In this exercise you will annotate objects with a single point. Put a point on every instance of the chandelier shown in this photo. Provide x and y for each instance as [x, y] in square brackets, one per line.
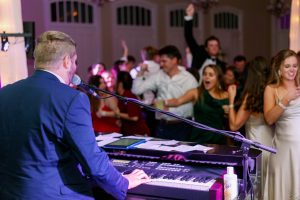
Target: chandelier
[101, 2]
[278, 7]
[205, 4]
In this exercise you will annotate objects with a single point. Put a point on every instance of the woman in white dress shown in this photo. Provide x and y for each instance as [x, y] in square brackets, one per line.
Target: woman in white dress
[251, 111]
[282, 108]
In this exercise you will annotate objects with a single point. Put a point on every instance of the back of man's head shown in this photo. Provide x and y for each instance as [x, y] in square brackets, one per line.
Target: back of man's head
[126, 80]
[239, 58]
[131, 59]
[52, 47]
[148, 53]
[170, 51]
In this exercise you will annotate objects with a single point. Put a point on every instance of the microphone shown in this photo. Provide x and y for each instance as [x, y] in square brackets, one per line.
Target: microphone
[76, 80]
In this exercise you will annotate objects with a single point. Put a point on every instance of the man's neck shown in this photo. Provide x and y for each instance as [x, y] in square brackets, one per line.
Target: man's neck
[288, 83]
[174, 71]
[57, 75]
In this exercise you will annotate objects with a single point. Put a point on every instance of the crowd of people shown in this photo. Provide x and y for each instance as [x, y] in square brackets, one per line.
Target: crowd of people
[258, 98]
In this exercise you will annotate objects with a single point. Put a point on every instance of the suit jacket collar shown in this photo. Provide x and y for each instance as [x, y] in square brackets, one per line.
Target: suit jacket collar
[45, 75]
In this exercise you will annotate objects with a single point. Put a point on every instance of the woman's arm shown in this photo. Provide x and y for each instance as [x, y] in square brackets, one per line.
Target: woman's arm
[272, 111]
[236, 119]
[127, 117]
[191, 95]
[133, 112]
[125, 50]
[112, 103]
[274, 108]
[102, 113]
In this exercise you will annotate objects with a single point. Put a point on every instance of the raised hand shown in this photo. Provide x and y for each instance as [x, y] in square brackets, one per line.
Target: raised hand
[144, 67]
[293, 93]
[190, 10]
[124, 44]
[125, 49]
[231, 92]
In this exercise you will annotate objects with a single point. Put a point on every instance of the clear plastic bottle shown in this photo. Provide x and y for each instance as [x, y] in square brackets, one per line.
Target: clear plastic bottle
[230, 185]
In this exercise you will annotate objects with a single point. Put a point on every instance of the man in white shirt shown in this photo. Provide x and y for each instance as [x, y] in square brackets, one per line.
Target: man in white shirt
[171, 81]
[147, 53]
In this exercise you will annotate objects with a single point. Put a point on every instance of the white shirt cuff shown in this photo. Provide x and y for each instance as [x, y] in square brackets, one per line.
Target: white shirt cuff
[188, 18]
[124, 58]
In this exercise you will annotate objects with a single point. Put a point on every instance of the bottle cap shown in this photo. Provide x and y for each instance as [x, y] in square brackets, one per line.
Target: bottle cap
[229, 170]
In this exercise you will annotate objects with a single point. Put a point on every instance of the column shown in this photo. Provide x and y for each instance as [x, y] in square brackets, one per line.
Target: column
[295, 26]
[13, 65]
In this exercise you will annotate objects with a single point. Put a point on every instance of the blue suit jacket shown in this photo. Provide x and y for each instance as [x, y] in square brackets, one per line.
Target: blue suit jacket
[47, 143]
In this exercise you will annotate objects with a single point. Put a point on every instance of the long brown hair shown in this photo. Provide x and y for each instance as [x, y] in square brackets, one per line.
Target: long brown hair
[220, 84]
[95, 81]
[256, 81]
[276, 63]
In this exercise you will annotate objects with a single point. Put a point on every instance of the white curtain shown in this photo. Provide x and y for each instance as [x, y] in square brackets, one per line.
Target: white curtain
[295, 26]
[13, 65]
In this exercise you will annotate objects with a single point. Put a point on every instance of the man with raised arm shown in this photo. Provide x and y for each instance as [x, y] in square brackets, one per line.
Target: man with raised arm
[202, 54]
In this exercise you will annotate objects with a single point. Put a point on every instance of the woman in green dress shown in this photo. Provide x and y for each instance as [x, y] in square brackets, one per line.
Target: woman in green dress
[210, 105]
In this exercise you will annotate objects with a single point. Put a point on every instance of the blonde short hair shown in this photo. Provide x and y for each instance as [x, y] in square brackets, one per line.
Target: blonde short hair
[52, 46]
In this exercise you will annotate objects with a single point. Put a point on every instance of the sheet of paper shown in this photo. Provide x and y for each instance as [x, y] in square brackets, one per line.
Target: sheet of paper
[164, 142]
[157, 147]
[160, 145]
[147, 145]
[187, 148]
[138, 137]
[110, 135]
[184, 148]
[165, 148]
[200, 147]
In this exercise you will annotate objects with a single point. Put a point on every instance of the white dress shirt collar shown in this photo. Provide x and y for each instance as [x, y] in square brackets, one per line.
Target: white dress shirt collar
[56, 75]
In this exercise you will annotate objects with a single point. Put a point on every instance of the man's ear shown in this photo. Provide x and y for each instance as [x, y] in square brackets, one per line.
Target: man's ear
[175, 61]
[67, 62]
[120, 84]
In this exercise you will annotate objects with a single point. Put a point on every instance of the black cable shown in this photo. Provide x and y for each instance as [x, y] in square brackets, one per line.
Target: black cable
[106, 97]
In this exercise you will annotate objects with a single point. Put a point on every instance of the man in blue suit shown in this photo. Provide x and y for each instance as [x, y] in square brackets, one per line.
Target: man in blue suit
[47, 144]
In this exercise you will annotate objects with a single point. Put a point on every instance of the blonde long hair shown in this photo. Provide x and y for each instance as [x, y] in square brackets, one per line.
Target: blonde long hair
[276, 63]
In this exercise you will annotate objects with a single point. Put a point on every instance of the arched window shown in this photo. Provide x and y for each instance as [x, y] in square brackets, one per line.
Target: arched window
[177, 18]
[71, 12]
[134, 16]
[226, 20]
[285, 22]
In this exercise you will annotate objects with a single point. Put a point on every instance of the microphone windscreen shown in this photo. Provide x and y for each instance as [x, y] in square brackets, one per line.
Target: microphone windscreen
[76, 80]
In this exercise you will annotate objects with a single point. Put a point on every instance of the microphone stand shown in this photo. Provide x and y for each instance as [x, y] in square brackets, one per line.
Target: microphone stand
[246, 143]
